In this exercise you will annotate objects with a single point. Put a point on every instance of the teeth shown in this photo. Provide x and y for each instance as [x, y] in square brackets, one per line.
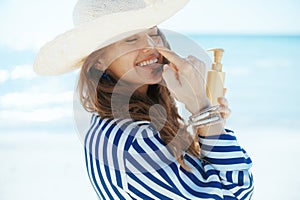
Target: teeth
[148, 62]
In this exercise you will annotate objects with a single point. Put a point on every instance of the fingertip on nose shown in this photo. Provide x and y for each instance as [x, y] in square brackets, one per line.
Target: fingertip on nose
[150, 41]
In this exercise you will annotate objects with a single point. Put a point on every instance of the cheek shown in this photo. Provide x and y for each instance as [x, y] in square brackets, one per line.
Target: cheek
[123, 65]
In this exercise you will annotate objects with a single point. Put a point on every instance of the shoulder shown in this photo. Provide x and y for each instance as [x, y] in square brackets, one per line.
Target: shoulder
[118, 130]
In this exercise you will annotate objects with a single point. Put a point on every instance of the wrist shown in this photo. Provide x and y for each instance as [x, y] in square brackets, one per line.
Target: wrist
[212, 130]
[207, 122]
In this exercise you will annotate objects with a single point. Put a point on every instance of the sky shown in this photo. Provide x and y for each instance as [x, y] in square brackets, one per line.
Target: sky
[26, 25]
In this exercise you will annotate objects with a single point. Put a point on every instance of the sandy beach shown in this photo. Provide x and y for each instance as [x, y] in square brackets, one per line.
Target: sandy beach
[37, 166]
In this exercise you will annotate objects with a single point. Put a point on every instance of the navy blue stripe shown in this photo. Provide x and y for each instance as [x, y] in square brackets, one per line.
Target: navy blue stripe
[198, 167]
[159, 139]
[97, 156]
[93, 121]
[196, 181]
[211, 172]
[228, 161]
[92, 118]
[152, 163]
[229, 198]
[115, 151]
[231, 186]
[243, 189]
[152, 191]
[219, 137]
[220, 148]
[161, 172]
[241, 178]
[250, 192]
[130, 139]
[137, 192]
[91, 178]
[190, 190]
[91, 161]
[228, 130]
[229, 176]
[105, 157]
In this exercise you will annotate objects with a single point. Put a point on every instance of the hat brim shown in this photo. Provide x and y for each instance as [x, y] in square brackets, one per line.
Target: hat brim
[68, 51]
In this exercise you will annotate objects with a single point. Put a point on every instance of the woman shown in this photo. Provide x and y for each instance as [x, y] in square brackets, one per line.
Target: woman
[127, 157]
[138, 146]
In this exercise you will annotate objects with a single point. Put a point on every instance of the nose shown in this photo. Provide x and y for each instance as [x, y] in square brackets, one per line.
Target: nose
[149, 43]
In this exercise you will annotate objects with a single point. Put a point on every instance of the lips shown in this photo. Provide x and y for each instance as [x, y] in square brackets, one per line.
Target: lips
[150, 61]
[147, 62]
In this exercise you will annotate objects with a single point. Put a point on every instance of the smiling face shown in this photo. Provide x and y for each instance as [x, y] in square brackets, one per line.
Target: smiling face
[135, 59]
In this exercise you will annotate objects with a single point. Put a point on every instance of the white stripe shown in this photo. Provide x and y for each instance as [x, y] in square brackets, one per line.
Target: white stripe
[218, 142]
[244, 192]
[96, 174]
[162, 148]
[233, 167]
[235, 181]
[227, 193]
[110, 163]
[165, 150]
[168, 171]
[196, 172]
[109, 149]
[152, 184]
[121, 147]
[154, 157]
[100, 158]
[235, 176]
[224, 155]
[140, 188]
[197, 188]
[88, 153]
[132, 194]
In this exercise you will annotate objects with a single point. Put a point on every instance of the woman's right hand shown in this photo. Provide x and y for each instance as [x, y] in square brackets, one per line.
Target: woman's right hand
[185, 78]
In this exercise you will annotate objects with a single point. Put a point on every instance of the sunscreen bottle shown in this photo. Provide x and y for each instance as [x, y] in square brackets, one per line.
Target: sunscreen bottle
[215, 78]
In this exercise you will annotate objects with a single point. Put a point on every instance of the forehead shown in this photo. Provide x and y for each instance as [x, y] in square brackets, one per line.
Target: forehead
[152, 30]
[148, 31]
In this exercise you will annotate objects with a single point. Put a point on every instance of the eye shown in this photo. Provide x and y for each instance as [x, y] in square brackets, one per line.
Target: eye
[154, 35]
[131, 40]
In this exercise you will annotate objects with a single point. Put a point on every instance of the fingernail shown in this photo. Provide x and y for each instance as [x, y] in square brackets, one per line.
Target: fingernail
[166, 67]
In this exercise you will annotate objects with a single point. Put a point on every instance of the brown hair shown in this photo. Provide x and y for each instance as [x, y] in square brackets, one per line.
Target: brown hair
[96, 91]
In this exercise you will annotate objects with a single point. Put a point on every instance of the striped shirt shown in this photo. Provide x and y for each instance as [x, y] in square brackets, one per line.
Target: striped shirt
[127, 159]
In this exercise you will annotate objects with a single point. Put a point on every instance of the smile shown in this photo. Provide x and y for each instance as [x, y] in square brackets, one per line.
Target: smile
[147, 62]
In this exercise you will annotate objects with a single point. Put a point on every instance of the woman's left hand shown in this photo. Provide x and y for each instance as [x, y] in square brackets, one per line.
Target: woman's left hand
[224, 109]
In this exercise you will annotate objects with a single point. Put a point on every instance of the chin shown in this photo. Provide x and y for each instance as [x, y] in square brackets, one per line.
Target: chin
[153, 80]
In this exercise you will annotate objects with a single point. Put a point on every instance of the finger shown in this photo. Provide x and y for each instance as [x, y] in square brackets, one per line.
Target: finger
[224, 111]
[169, 75]
[223, 101]
[195, 61]
[172, 56]
[224, 91]
[197, 64]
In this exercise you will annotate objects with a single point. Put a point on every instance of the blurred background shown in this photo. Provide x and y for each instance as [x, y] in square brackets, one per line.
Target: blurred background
[40, 151]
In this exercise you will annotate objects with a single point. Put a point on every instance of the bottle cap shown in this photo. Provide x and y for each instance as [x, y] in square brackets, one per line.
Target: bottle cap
[218, 54]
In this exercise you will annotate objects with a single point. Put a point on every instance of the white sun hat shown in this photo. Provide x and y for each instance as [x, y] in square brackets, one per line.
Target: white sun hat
[99, 23]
